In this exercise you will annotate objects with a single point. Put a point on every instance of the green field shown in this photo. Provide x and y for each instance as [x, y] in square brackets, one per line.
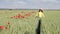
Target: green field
[50, 24]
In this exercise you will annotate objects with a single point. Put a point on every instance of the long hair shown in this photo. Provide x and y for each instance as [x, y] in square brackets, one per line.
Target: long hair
[40, 10]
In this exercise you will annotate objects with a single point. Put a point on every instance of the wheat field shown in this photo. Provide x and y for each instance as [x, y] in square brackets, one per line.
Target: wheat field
[50, 23]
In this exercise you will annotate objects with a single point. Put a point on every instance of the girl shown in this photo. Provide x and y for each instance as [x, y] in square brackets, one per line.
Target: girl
[39, 15]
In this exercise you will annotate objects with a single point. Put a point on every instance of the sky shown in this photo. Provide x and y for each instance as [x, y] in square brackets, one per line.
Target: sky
[30, 4]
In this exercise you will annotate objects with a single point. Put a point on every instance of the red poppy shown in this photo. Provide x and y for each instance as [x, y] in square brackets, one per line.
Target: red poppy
[22, 17]
[2, 27]
[8, 22]
[6, 27]
[18, 16]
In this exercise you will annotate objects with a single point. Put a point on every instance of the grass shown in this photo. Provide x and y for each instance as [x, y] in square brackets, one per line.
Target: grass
[50, 24]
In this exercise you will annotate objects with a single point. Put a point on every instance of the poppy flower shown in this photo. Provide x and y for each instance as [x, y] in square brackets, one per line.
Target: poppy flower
[22, 17]
[2, 27]
[8, 22]
[6, 27]
[18, 15]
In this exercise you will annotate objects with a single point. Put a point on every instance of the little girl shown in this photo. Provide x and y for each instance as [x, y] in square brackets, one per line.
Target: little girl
[39, 15]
